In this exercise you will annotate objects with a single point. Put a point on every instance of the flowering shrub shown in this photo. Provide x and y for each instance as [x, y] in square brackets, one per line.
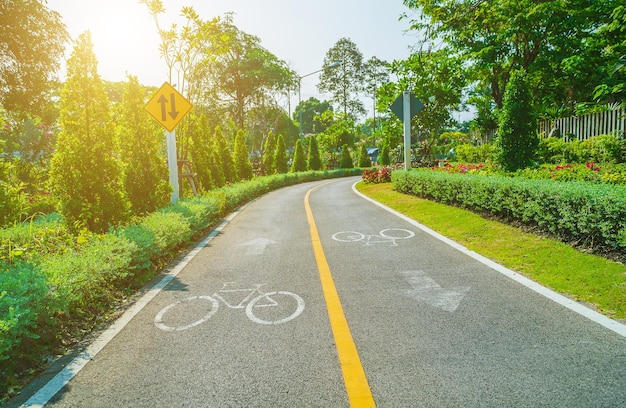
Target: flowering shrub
[379, 175]
[463, 168]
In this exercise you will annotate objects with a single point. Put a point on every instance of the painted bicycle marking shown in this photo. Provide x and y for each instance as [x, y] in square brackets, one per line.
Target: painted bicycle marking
[386, 236]
[264, 308]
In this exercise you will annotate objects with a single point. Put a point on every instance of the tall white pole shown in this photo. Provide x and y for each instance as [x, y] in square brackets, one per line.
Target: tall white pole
[172, 163]
[406, 110]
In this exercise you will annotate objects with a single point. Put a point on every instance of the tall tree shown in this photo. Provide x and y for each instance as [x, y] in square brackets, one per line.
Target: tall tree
[281, 155]
[268, 159]
[311, 109]
[243, 168]
[344, 82]
[32, 41]
[299, 161]
[141, 143]
[376, 73]
[314, 161]
[517, 138]
[86, 175]
[241, 74]
[495, 38]
[224, 157]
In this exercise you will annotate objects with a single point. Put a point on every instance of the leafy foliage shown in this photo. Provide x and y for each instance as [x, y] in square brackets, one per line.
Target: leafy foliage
[346, 158]
[314, 161]
[281, 156]
[86, 176]
[344, 82]
[517, 134]
[224, 157]
[364, 158]
[241, 157]
[299, 162]
[590, 214]
[32, 40]
[378, 175]
[140, 146]
[268, 165]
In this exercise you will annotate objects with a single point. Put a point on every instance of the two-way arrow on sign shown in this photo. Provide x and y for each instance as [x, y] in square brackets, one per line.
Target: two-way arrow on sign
[168, 106]
[163, 101]
[425, 289]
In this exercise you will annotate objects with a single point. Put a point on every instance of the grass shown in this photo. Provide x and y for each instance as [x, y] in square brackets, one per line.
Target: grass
[592, 279]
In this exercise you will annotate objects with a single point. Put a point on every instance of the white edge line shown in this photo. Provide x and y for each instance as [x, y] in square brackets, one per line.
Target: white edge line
[574, 306]
[63, 377]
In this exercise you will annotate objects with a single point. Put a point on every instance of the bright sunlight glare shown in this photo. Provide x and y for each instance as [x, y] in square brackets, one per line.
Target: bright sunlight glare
[123, 33]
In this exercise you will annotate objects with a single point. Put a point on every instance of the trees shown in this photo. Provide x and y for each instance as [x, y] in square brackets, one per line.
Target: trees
[517, 139]
[344, 82]
[364, 159]
[546, 39]
[224, 157]
[346, 158]
[140, 144]
[426, 74]
[32, 39]
[313, 157]
[238, 73]
[268, 158]
[311, 109]
[86, 175]
[243, 168]
[281, 156]
[299, 162]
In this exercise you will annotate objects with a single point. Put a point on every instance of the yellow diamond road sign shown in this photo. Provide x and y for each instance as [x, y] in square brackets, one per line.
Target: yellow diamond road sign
[168, 106]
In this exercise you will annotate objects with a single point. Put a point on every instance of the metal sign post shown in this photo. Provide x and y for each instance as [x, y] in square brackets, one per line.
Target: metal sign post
[405, 107]
[168, 107]
[172, 164]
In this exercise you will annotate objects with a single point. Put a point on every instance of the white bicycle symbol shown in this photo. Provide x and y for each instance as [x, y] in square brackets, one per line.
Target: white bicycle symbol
[264, 308]
[387, 236]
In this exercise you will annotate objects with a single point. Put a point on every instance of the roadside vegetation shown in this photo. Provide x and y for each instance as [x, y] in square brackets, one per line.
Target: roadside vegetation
[85, 212]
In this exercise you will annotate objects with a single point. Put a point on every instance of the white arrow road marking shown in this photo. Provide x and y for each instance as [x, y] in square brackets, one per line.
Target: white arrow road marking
[425, 289]
[257, 246]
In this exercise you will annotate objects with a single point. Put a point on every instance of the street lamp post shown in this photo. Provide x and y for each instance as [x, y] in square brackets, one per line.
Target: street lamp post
[333, 65]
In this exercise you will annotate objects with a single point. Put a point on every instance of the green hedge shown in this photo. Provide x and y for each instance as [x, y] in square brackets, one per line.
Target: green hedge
[52, 281]
[591, 214]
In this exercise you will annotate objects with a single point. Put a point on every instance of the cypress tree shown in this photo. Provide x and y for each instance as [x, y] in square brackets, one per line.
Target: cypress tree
[140, 139]
[384, 154]
[225, 159]
[86, 176]
[242, 159]
[269, 154]
[299, 163]
[346, 159]
[364, 158]
[281, 156]
[517, 141]
[313, 159]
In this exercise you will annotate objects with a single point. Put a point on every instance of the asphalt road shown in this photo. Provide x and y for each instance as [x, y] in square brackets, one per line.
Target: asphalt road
[429, 326]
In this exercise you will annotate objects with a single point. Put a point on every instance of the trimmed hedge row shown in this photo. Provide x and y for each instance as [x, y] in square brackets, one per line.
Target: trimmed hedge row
[591, 214]
[43, 294]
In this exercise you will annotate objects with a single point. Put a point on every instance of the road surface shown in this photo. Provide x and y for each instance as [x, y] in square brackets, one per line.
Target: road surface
[312, 296]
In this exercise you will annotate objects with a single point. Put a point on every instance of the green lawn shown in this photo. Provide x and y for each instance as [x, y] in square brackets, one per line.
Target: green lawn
[584, 277]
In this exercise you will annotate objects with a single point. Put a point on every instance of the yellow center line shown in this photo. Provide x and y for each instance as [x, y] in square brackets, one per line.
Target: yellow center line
[357, 387]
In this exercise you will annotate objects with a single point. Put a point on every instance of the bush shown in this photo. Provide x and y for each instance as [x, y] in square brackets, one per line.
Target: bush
[22, 301]
[468, 153]
[591, 214]
[517, 139]
[379, 175]
[346, 159]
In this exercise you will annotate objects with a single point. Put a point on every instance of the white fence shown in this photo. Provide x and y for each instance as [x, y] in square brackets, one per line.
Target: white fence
[586, 126]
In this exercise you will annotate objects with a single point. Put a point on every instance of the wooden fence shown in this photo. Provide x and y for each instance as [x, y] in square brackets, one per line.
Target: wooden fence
[586, 126]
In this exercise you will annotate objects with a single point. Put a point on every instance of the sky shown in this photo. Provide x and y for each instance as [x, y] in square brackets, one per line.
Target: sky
[298, 32]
